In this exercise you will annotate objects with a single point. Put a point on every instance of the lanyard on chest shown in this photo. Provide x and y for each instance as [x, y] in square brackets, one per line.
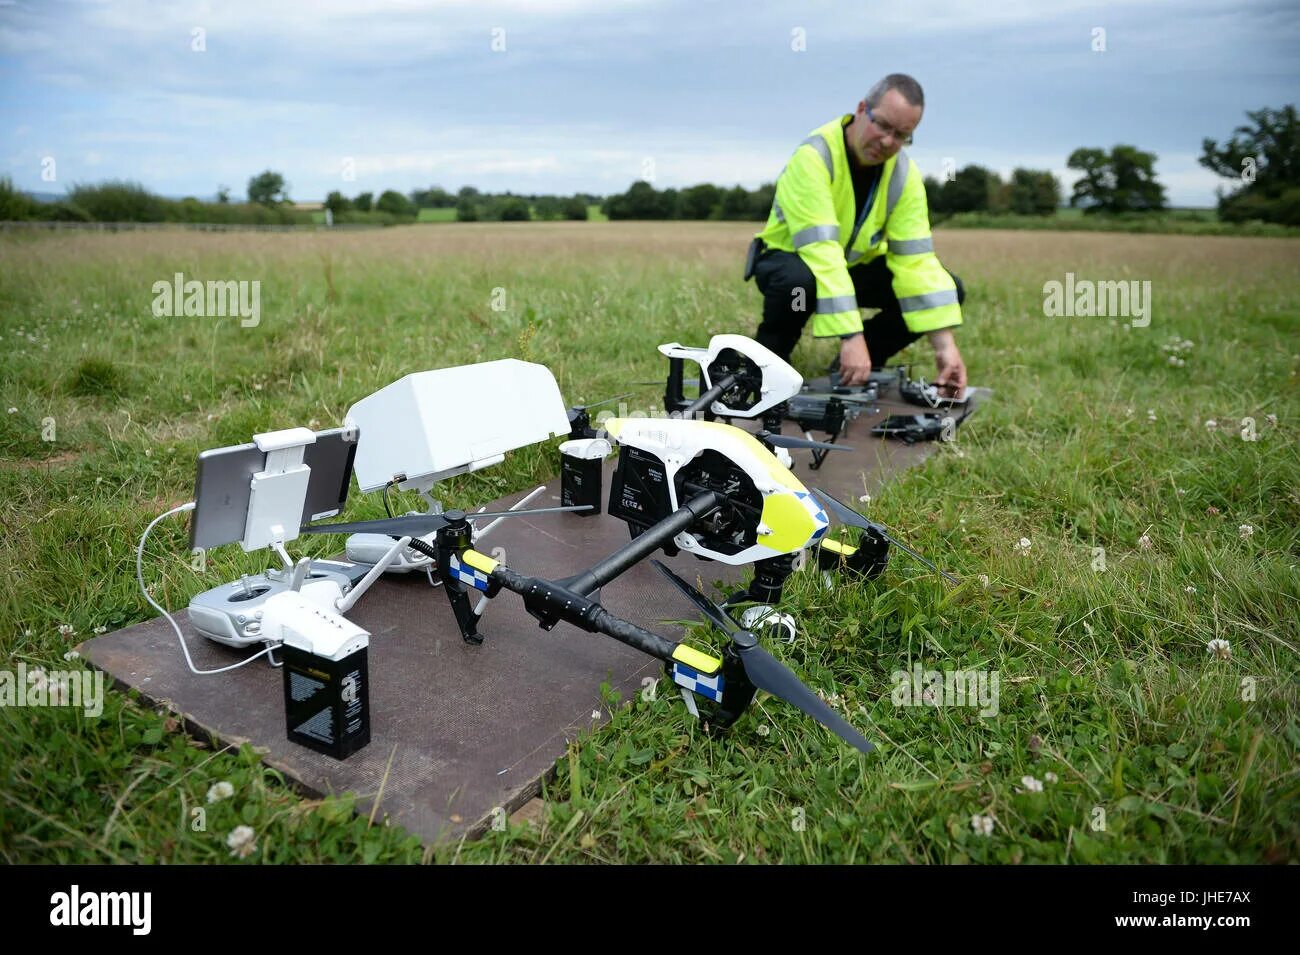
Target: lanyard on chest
[866, 208]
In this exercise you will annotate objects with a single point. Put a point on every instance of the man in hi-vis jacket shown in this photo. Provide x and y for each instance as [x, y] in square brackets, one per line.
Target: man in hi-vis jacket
[850, 229]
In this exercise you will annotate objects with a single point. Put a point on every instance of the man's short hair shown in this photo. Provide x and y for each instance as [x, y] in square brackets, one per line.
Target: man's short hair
[907, 87]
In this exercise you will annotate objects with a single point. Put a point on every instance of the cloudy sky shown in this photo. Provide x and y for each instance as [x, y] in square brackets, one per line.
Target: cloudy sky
[589, 95]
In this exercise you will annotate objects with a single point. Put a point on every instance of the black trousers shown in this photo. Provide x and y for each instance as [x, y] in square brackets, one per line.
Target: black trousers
[779, 274]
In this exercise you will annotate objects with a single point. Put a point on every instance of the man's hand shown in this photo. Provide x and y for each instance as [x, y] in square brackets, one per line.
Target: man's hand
[951, 381]
[855, 361]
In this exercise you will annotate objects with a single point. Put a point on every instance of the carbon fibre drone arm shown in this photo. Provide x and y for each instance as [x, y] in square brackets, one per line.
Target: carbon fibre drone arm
[723, 680]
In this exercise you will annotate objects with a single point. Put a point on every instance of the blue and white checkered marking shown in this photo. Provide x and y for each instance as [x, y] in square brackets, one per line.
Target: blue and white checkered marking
[696, 682]
[468, 575]
[818, 515]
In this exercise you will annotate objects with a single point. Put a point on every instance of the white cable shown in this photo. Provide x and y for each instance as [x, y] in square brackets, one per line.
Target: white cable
[139, 576]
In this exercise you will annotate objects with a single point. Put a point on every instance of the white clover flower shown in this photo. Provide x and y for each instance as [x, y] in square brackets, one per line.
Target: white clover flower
[1176, 361]
[1181, 491]
[1211, 424]
[219, 791]
[13, 410]
[1271, 419]
[1189, 589]
[1022, 546]
[1220, 648]
[66, 630]
[72, 655]
[242, 841]
[1031, 784]
[1245, 530]
[983, 825]
[100, 629]
[762, 729]
[1051, 777]
[864, 498]
[1144, 542]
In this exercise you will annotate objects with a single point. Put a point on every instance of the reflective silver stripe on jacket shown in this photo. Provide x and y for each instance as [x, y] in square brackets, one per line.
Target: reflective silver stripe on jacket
[776, 208]
[819, 143]
[840, 303]
[815, 233]
[911, 246]
[917, 303]
[897, 181]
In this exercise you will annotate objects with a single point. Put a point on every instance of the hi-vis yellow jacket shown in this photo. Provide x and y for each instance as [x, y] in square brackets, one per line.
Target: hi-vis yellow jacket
[814, 215]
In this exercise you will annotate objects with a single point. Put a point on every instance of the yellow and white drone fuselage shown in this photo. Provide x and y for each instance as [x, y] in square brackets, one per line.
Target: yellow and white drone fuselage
[789, 518]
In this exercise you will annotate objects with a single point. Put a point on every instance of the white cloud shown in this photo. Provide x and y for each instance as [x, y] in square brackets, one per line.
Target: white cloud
[589, 89]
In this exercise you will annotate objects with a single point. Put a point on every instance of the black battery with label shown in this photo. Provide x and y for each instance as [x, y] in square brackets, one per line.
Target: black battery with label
[326, 701]
[582, 463]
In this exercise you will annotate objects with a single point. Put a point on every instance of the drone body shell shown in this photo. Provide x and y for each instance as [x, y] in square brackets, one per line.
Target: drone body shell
[791, 517]
[780, 381]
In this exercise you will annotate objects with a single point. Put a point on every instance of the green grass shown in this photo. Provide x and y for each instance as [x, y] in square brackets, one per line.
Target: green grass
[1169, 222]
[1105, 677]
[437, 215]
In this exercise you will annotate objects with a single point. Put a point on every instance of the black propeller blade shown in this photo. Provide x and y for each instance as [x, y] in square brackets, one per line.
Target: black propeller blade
[768, 673]
[717, 616]
[789, 441]
[418, 525]
[849, 516]
[765, 671]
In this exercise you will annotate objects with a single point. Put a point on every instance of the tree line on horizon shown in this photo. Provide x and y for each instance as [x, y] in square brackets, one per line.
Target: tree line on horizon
[1263, 156]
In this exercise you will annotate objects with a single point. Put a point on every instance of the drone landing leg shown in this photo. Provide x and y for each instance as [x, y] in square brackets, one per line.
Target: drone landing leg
[457, 536]
[466, 619]
[689, 697]
[769, 580]
[818, 456]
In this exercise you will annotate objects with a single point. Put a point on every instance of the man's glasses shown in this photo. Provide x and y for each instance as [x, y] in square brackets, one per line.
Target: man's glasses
[889, 130]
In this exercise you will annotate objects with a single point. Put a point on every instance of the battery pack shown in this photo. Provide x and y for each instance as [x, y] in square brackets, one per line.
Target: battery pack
[327, 702]
[581, 473]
